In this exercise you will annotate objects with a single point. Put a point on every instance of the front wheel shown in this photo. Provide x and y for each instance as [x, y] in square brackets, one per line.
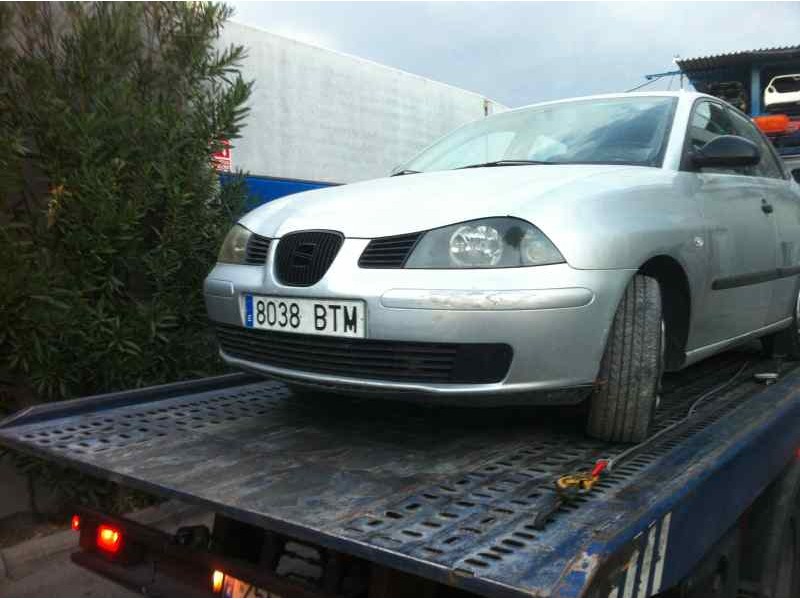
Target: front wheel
[624, 400]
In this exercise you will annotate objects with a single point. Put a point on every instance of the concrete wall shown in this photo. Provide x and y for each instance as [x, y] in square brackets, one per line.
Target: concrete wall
[14, 496]
[15, 493]
[324, 116]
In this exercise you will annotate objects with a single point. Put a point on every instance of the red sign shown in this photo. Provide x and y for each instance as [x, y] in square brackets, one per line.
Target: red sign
[223, 160]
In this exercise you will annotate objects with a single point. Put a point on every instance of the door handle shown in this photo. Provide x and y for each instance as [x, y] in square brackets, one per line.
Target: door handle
[766, 207]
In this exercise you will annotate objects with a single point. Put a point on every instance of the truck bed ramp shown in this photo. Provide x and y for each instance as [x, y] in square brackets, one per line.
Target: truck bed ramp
[461, 496]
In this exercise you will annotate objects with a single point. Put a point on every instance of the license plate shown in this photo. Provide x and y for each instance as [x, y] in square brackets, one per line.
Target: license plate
[236, 588]
[343, 318]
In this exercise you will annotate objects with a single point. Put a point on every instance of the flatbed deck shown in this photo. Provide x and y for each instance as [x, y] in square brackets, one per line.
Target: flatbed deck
[460, 496]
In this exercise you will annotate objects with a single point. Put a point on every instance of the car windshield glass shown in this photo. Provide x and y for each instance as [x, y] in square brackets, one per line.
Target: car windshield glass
[629, 130]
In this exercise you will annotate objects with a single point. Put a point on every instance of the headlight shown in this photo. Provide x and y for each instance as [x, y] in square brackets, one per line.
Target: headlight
[234, 248]
[486, 243]
[476, 246]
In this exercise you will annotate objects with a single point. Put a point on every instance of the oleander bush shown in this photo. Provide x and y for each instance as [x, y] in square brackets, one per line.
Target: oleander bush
[110, 212]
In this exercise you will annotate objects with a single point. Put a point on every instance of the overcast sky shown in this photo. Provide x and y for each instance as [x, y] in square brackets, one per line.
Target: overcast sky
[523, 52]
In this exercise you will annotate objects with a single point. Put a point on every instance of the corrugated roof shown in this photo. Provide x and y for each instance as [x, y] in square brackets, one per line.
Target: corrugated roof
[741, 57]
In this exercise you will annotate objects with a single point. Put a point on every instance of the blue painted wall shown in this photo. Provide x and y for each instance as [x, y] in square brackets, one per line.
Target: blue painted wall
[265, 189]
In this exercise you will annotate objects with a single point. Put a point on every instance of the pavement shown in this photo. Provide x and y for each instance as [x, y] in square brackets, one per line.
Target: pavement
[60, 577]
[42, 567]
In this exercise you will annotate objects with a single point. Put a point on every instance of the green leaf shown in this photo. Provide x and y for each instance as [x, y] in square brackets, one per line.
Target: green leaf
[51, 301]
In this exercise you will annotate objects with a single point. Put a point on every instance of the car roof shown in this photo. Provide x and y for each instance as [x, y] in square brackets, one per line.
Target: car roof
[680, 94]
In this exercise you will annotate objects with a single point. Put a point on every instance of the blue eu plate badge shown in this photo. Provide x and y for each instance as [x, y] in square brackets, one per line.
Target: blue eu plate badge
[248, 311]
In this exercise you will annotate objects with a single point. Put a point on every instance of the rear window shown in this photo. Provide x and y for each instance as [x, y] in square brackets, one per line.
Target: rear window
[785, 85]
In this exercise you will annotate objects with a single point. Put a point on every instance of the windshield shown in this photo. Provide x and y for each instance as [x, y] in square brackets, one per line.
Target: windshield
[630, 131]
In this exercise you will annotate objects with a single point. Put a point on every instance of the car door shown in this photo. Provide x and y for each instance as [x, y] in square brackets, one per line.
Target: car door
[782, 197]
[740, 240]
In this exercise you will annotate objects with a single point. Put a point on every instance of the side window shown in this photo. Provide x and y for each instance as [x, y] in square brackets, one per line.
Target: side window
[768, 166]
[710, 120]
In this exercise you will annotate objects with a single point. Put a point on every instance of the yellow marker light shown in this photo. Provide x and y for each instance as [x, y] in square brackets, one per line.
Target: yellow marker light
[216, 581]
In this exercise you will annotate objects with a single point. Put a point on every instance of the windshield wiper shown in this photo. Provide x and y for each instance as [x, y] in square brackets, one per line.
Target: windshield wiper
[508, 163]
[495, 163]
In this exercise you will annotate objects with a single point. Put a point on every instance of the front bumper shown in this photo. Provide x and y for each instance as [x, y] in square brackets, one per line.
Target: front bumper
[555, 318]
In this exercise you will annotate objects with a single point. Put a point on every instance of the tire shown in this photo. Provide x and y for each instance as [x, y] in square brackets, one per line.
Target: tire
[624, 400]
[786, 343]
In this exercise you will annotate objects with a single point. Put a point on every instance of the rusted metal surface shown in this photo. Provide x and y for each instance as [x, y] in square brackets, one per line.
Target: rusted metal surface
[449, 494]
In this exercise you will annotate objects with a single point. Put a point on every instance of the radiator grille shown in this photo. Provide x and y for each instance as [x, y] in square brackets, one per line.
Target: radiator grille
[422, 362]
[302, 258]
[388, 252]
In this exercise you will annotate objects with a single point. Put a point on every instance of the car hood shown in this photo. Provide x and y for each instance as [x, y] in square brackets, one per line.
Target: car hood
[418, 202]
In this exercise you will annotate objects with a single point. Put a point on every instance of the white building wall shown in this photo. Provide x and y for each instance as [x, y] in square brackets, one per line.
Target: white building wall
[325, 116]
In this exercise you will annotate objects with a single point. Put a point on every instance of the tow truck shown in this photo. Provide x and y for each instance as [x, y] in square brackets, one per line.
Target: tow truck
[365, 497]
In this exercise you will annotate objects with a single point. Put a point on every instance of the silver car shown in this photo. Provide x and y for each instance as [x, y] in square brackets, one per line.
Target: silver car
[549, 254]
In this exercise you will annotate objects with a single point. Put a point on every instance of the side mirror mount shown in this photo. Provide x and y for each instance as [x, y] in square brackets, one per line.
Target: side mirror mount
[727, 151]
[796, 175]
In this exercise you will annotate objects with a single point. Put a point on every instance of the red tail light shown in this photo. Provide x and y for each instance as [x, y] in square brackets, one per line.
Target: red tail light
[109, 538]
[76, 523]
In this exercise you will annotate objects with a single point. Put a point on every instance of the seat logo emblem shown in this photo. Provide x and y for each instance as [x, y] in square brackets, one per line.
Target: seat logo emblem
[303, 255]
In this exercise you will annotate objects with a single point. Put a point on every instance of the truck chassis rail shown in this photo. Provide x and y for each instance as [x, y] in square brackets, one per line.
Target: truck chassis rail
[460, 496]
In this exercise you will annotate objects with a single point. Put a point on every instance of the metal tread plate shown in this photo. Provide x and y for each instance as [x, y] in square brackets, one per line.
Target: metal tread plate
[463, 496]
